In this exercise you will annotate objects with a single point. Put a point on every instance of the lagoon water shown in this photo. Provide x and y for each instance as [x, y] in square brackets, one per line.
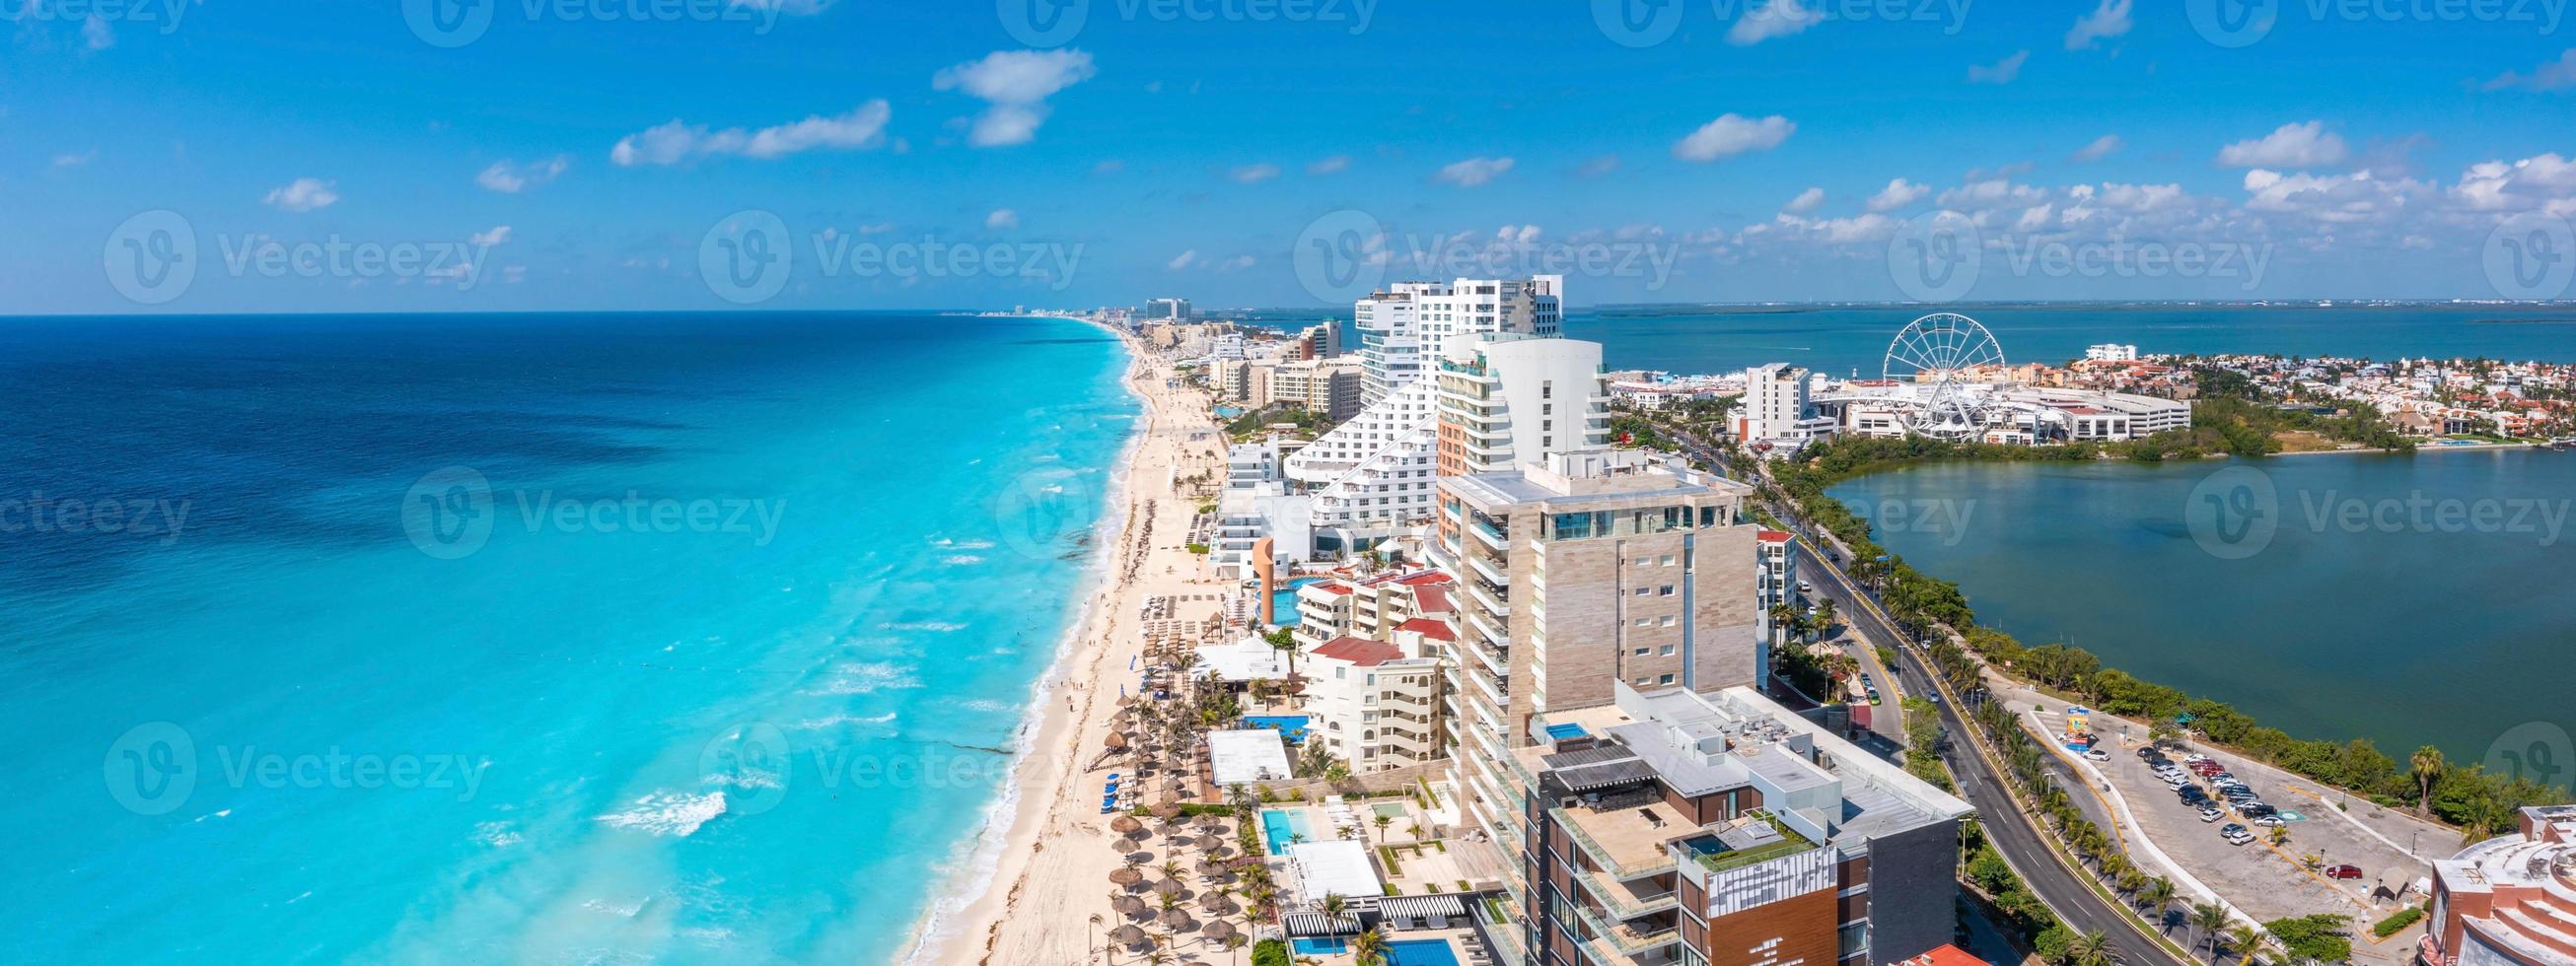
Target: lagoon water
[2356, 615]
[315, 724]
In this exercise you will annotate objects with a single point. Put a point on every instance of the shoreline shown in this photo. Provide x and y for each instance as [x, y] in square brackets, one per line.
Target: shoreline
[961, 890]
[1047, 854]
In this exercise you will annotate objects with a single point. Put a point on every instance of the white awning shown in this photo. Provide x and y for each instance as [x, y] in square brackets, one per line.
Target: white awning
[1339, 867]
[1250, 755]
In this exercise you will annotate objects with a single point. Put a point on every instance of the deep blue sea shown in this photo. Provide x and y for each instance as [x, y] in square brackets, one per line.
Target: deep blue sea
[560, 638]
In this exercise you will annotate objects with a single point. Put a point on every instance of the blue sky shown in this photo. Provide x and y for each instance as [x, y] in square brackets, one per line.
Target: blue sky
[551, 159]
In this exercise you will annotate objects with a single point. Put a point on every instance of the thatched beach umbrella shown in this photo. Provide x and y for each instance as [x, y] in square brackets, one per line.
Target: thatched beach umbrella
[1170, 887]
[1126, 825]
[1116, 740]
[1217, 904]
[1211, 820]
[1208, 842]
[1176, 918]
[1169, 808]
[1128, 905]
[1219, 930]
[1127, 876]
[1128, 935]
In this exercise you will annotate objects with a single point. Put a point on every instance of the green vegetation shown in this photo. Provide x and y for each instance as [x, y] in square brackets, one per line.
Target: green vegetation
[1790, 843]
[2317, 939]
[1923, 744]
[2483, 803]
[1199, 548]
[2404, 918]
[2021, 910]
[1629, 428]
[1254, 421]
[1271, 952]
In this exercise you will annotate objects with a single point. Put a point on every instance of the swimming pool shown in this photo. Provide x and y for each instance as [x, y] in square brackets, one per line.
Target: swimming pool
[1291, 727]
[1421, 952]
[1283, 602]
[1279, 827]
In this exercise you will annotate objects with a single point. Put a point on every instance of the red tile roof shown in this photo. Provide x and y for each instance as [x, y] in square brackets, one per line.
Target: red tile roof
[1427, 627]
[1432, 599]
[1945, 955]
[1331, 587]
[1360, 651]
[1424, 578]
[1773, 536]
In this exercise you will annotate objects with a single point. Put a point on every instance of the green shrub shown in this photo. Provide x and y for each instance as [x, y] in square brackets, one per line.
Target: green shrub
[2404, 918]
[1271, 952]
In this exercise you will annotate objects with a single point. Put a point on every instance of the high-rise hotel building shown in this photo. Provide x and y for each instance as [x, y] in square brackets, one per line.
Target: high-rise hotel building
[1607, 731]
[1508, 398]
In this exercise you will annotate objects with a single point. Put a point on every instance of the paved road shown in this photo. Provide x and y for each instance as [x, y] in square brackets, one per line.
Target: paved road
[2011, 832]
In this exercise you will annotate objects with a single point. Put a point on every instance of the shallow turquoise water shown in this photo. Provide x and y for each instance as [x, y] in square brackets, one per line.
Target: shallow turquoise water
[289, 732]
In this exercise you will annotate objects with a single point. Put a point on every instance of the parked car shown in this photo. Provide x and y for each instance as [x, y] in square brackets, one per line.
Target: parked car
[2210, 813]
[2098, 754]
[2256, 810]
[2150, 753]
[2269, 821]
[2240, 838]
[2230, 828]
[2343, 872]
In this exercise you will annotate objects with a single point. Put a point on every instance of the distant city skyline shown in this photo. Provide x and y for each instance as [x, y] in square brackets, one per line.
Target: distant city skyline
[428, 155]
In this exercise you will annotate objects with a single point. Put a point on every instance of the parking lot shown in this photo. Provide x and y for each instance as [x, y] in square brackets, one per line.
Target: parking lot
[2258, 877]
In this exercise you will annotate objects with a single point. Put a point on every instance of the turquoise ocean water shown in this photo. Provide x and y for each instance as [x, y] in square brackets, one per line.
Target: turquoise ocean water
[557, 639]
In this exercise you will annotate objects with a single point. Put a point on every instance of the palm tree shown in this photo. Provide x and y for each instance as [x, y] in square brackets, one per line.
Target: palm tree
[2280, 834]
[1281, 640]
[2247, 941]
[1825, 614]
[2209, 918]
[2158, 895]
[2428, 766]
[2090, 949]
[1369, 948]
[1333, 905]
[1382, 822]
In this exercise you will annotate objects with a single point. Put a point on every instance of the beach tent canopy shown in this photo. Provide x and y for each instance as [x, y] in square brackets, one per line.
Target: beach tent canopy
[1246, 660]
[1318, 924]
[1338, 867]
[1251, 755]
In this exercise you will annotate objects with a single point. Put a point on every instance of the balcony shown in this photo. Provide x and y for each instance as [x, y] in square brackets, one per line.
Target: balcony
[1488, 598]
[1629, 900]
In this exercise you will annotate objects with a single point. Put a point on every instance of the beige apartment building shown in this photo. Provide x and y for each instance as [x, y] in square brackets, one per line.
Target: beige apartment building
[1590, 570]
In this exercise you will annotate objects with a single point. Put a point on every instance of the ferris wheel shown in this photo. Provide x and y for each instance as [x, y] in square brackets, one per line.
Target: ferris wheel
[1928, 358]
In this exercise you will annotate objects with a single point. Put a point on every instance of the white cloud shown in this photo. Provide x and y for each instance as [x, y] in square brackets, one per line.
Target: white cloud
[1731, 135]
[1805, 202]
[1473, 171]
[1184, 260]
[1778, 18]
[1002, 218]
[2034, 218]
[2111, 19]
[2002, 72]
[1832, 231]
[487, 239]
[1333, 165]
[1235, 264]
[97, 34]
[1110, 166]
[676, 141]
[511, 178]
[75, 160]
[1597, 167]
[2355, 197]
[1517, 234]
[2556, 75]
[2141, 197]
[2291, 146]
[1254, 173]
[2102, 147]
[1898, 194]
[1016, 83]
[2546, 181]
[1991, 193]
[303, 194]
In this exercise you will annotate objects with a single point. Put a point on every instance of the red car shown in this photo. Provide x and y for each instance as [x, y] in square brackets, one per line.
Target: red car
[2343, 872]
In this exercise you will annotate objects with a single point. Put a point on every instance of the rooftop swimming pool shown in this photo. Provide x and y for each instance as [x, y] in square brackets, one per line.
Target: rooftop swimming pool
[1421, 952]
[1283, 601]
[1291, 727]
[1279, 827]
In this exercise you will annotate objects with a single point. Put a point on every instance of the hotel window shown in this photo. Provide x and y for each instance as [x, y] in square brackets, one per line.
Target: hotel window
[1668, 620]
[1641, 652]
[1665, 651]
[1664, 679]
[1668, 560]
[1643, 591]
[1668, 590]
